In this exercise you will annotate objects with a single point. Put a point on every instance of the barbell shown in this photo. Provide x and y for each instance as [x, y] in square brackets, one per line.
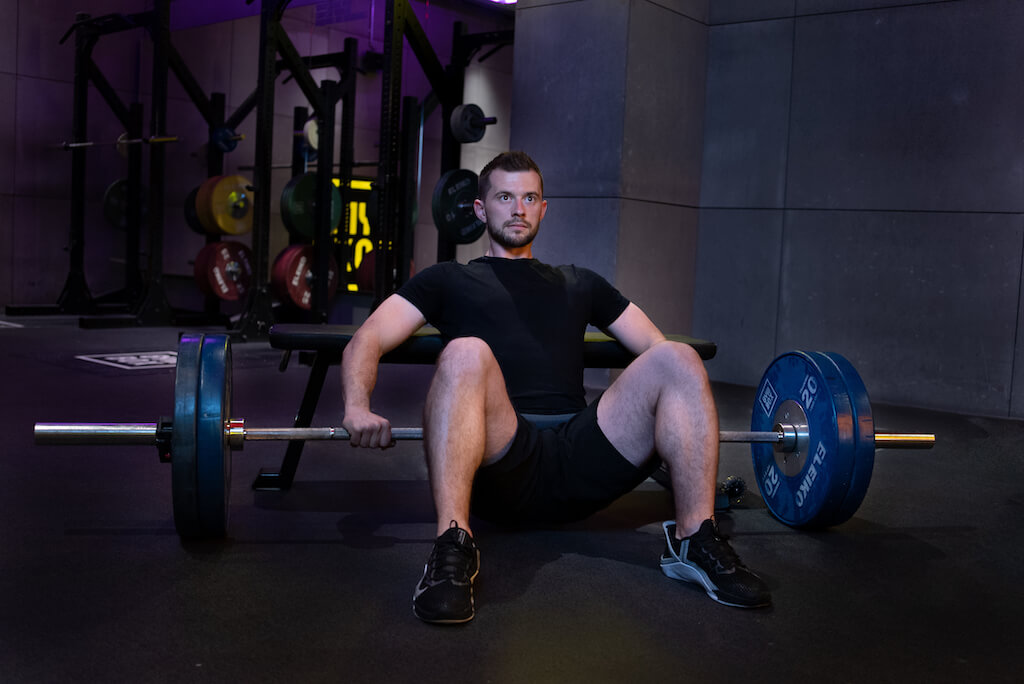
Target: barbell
[122, 142]
[812, 437]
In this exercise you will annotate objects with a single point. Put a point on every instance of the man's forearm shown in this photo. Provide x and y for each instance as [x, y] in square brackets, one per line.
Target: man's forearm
[359, 364]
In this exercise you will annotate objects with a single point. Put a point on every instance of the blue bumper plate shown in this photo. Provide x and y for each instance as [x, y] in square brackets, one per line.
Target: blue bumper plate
[806, 487]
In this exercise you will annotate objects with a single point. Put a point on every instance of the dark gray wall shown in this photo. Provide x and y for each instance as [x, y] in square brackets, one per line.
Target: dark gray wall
[776, 174]
[861, 193]
[608, 97]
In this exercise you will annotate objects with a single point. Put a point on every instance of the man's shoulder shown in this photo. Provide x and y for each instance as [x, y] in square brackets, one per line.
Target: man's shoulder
[577, 272]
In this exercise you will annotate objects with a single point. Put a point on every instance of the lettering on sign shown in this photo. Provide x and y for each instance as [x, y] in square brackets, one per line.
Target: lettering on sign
[359, 240]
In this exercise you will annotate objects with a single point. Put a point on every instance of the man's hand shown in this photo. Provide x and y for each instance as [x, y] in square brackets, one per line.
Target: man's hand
[367, 429]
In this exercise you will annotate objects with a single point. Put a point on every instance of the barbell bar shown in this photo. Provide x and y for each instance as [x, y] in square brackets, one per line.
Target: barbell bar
[122, 140]
[812, 437]
[237, 433]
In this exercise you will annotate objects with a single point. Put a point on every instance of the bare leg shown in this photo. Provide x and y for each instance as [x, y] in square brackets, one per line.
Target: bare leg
[662, 404]
[468, 422]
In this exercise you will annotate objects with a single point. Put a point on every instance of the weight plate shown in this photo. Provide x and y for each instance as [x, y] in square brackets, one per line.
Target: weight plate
[224, 138]
[298, 206]
[864, 431]
[805, 488]
[307, 140]
[184, 477]
[191, 215]
[213, 455]
[224, 269]
[115, 204]
[292, 276]
[311, 134]
[452, 207]
[467, 123]
[204, 208]
[224, 205]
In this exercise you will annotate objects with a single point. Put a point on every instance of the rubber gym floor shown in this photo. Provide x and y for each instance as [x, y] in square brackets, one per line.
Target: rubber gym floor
[315, 584]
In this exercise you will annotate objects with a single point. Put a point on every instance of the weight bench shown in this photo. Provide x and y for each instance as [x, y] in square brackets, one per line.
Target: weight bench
[321, 347]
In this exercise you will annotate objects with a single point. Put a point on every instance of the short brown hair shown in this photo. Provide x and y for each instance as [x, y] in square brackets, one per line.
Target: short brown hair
[507, 161]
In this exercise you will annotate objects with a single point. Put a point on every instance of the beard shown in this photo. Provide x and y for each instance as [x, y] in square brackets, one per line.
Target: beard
[504, 236]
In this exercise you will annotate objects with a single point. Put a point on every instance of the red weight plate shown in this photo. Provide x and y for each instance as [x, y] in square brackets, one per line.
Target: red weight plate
[224, 269]
[292, 276]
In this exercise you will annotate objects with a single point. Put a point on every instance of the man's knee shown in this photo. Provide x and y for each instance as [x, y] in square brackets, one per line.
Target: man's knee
[465, 355]
[675, 357]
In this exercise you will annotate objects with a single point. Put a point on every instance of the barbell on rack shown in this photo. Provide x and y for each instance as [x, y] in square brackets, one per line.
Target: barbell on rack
[812, 437]
[122, 141]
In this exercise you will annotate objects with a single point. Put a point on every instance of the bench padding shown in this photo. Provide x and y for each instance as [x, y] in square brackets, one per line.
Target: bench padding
[599, 350]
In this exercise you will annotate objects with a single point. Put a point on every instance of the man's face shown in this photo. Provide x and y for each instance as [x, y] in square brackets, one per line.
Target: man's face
[513, 208]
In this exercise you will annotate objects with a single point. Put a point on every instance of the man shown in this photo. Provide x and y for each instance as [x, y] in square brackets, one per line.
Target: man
[513, 360]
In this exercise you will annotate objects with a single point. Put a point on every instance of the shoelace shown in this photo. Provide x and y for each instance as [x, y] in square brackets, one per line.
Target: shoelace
[450, 560]
[719, 552]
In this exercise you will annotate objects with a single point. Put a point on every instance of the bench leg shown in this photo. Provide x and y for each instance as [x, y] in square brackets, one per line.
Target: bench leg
[280, 480]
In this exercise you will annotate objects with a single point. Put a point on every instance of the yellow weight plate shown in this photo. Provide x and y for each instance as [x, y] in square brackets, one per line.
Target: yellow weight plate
[224, 205]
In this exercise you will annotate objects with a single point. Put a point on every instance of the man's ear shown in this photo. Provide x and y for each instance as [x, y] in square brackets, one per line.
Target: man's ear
[478, 209]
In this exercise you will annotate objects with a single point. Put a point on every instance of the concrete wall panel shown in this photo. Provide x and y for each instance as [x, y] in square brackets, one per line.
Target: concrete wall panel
[568, 98]
[663, 142]
[6, 248]
[924, 305]
[747, 121]
[9, 36]
[655, 265]
[737, 284]
[729, 11]
[1017, 397]
[906, 108]
[581, 231]
[832, 6]
[8, 132]
[38, 236]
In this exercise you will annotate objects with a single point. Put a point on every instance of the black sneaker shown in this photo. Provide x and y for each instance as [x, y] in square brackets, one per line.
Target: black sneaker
[706, 558]
[445, 593]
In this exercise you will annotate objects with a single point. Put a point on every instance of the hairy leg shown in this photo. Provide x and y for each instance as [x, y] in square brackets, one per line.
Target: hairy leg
[662, 404]
[468, 422]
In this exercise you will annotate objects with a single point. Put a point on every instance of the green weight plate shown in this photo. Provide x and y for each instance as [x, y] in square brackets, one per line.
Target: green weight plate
[805, 488]
[213, 455]
[184, 477]
[864, 431]
[298, 206]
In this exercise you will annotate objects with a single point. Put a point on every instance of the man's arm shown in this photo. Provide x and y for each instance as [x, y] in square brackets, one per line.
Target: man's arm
[386, 328]
[634, 330]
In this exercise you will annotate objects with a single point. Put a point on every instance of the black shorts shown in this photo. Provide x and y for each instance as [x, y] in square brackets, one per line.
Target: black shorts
[555, 475]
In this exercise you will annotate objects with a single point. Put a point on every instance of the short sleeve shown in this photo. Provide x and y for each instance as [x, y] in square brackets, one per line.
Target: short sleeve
[425, 290]
[607, 303]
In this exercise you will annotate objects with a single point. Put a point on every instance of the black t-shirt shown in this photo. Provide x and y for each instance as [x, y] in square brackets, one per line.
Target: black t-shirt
[532, 315]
